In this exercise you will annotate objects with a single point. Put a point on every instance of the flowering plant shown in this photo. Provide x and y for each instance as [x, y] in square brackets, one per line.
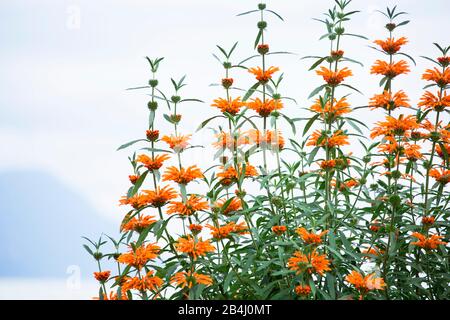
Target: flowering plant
[320, 210]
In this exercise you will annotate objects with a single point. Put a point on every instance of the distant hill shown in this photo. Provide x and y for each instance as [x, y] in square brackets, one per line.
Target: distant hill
[41, 224]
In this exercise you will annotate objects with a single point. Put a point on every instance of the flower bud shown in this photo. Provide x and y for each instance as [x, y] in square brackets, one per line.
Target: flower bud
[262, 25]
[153, 83]
[275, 114]
[444, 61]
[337, 54]
[277, 202]
[133, 179]
[339, 30]
[396, 174]
[240, 194]
[152, 105]
[395, 201]
[332, 37]
[367, 159]
[227, 65]
[391, 26]
[416, 136]
[98, 256]
[152, 135]
[276, 96]
[176, 99]
[195, 228]
[261, 6]
[435, 136]
[263, 49]
[227, 82]
[175, 118]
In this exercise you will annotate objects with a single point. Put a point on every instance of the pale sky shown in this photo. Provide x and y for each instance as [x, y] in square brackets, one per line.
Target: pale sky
[65, 65]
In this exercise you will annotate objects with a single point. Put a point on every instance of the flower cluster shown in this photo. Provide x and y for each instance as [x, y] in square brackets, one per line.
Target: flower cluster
[298, 203]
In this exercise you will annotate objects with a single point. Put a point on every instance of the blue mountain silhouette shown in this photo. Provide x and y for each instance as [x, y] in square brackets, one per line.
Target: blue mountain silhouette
[41, 224]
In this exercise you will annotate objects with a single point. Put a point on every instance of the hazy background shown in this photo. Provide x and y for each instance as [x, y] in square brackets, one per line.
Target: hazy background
[64, 111]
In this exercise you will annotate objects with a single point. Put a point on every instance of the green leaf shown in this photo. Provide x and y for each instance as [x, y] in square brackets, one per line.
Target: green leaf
[317, 90]
[247, 12]
[276, 14]
[310, 123]
[204, 123]
[126, 145]
[258, 37]
[317, 63]
[88, 250]
[138, 184]
[250, 91]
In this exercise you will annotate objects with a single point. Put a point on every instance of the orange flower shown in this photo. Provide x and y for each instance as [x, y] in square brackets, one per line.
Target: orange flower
[310, 263]
[440, 175]
[389, 101]
[138, 224]
[102, 276]
[320, 138]
[311, 238]
[225, 141]
[233, 205]
[188, 279]
[148, 282]
[436, 102]
[365, 284]
[334, 78]
[390, 70]
[152, 164]
[227, 82]
[391, 146]
[229, 175]
[374, 251]
[265, 108]
[442, 79]
[133, 178]
[152, 135]
[395, 127]
[444, 61]
[195, 228]
[337, 54]
[182, 176]
[375, 226]
[428, 243]
[391, 46]
[428, 220]
[271, 139]
[412, 152]
[159, 197]
[226, 230]
[346, 185]
[177, 143]
[113, 296]
[440, 151]
[230, 106]
[303, 290]
[194, 248]
[139, 257]
[279, 230]
[263, 76]
[328, 164]
[193, 204]
[137, 201]
[332, 112]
